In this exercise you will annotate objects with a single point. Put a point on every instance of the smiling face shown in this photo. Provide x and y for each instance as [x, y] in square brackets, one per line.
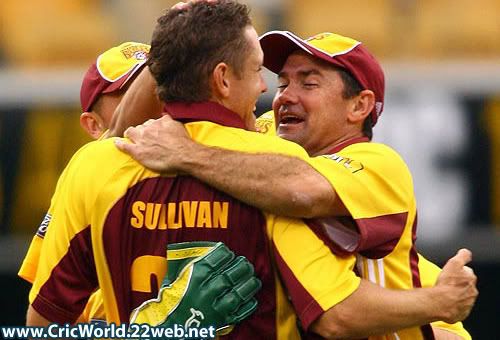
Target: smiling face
[249, 85]
[309, 106]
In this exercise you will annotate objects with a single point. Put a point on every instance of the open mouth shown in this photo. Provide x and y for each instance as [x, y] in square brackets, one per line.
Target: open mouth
[290, 120]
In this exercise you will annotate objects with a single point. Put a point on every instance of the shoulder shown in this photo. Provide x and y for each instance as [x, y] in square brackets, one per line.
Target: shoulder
[96, 163]
[376, 156]
[99, 157]
[101, 151]
[371, 150]
[237, 139]
[373, 165]
[265, 123]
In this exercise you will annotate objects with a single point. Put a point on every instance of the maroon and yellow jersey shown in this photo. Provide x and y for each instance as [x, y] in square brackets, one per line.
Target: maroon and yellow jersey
[376, 187]
[94, 310]
[112, 219]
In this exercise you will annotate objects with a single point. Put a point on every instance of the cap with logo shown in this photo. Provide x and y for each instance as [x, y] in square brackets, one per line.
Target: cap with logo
[343, 52]
[111, 71]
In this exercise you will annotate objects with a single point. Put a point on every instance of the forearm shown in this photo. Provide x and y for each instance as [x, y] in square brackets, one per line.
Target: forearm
[372, 310]
[139, 104]
[33, 318]
[272, 182]
[275, 183]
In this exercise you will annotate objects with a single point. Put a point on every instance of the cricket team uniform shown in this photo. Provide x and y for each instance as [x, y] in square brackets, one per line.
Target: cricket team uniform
[111, 220]
[376, 187]
[94, 310]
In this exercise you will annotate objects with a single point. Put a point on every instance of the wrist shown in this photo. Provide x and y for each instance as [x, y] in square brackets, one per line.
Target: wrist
[191, 156]
[435, 304]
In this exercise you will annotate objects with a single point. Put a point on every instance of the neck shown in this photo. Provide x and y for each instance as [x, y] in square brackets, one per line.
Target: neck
[249, 121]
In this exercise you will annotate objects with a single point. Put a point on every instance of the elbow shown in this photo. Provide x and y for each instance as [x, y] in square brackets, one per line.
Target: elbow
[337, 323]
[311, 198]
[335, 332]
[303, 204]
[310, 203]
[329, 333]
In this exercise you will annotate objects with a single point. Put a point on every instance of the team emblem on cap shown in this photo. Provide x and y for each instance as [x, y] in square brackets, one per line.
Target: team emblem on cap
[141, 55]
[119, 61]
[135, 50]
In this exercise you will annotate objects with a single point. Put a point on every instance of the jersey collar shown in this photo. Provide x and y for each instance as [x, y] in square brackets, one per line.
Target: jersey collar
[203, 111]
[348, 142]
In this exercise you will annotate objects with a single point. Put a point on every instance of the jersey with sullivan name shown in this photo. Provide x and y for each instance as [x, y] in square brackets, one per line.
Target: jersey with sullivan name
[112, 219]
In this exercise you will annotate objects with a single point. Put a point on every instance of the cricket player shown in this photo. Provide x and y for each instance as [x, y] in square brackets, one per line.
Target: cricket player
[330, 94]
[105, 83]
[103, 86]
[87, 246]
[130, 211]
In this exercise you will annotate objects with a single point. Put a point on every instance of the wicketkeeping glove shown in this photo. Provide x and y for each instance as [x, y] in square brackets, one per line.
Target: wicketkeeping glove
[205, 285]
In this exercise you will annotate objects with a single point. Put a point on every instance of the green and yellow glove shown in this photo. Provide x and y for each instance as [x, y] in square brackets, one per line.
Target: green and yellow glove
[206, 285]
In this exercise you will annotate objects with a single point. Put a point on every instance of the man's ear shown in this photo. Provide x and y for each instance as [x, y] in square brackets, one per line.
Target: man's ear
[92, 123]
[221, 80]
[362, 105]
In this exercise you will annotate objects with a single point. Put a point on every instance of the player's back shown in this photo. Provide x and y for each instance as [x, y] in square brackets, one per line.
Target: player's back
[113, 219]
[162, 210]
[146, 211]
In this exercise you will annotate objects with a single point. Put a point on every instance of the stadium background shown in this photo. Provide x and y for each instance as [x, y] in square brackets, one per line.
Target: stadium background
[442, 112]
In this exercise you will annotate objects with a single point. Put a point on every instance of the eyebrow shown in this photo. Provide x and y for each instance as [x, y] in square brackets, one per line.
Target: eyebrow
[302, 74]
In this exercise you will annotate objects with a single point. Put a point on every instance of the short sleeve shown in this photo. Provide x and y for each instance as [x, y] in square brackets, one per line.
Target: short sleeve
[314, 277]
[376, 187]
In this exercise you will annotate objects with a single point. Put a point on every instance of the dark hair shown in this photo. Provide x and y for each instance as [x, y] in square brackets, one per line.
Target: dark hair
[351, 89]
[187, 44]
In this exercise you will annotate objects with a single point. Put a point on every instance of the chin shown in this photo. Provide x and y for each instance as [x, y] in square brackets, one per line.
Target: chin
[288, 136]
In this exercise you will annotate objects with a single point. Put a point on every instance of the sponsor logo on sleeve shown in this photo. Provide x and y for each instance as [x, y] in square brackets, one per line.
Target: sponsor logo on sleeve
[42, 229]
[350, 164]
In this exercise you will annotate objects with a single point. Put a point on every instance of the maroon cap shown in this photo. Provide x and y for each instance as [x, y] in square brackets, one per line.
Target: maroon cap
[111, 71]
[338, 50]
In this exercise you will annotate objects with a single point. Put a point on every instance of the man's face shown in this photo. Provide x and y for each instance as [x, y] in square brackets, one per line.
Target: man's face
[308, 106]
[247, 88]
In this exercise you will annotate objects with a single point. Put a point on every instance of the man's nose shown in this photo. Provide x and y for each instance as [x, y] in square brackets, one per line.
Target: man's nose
[288, 95]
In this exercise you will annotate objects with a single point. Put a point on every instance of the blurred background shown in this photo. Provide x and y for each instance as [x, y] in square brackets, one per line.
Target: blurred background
[442, 112]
